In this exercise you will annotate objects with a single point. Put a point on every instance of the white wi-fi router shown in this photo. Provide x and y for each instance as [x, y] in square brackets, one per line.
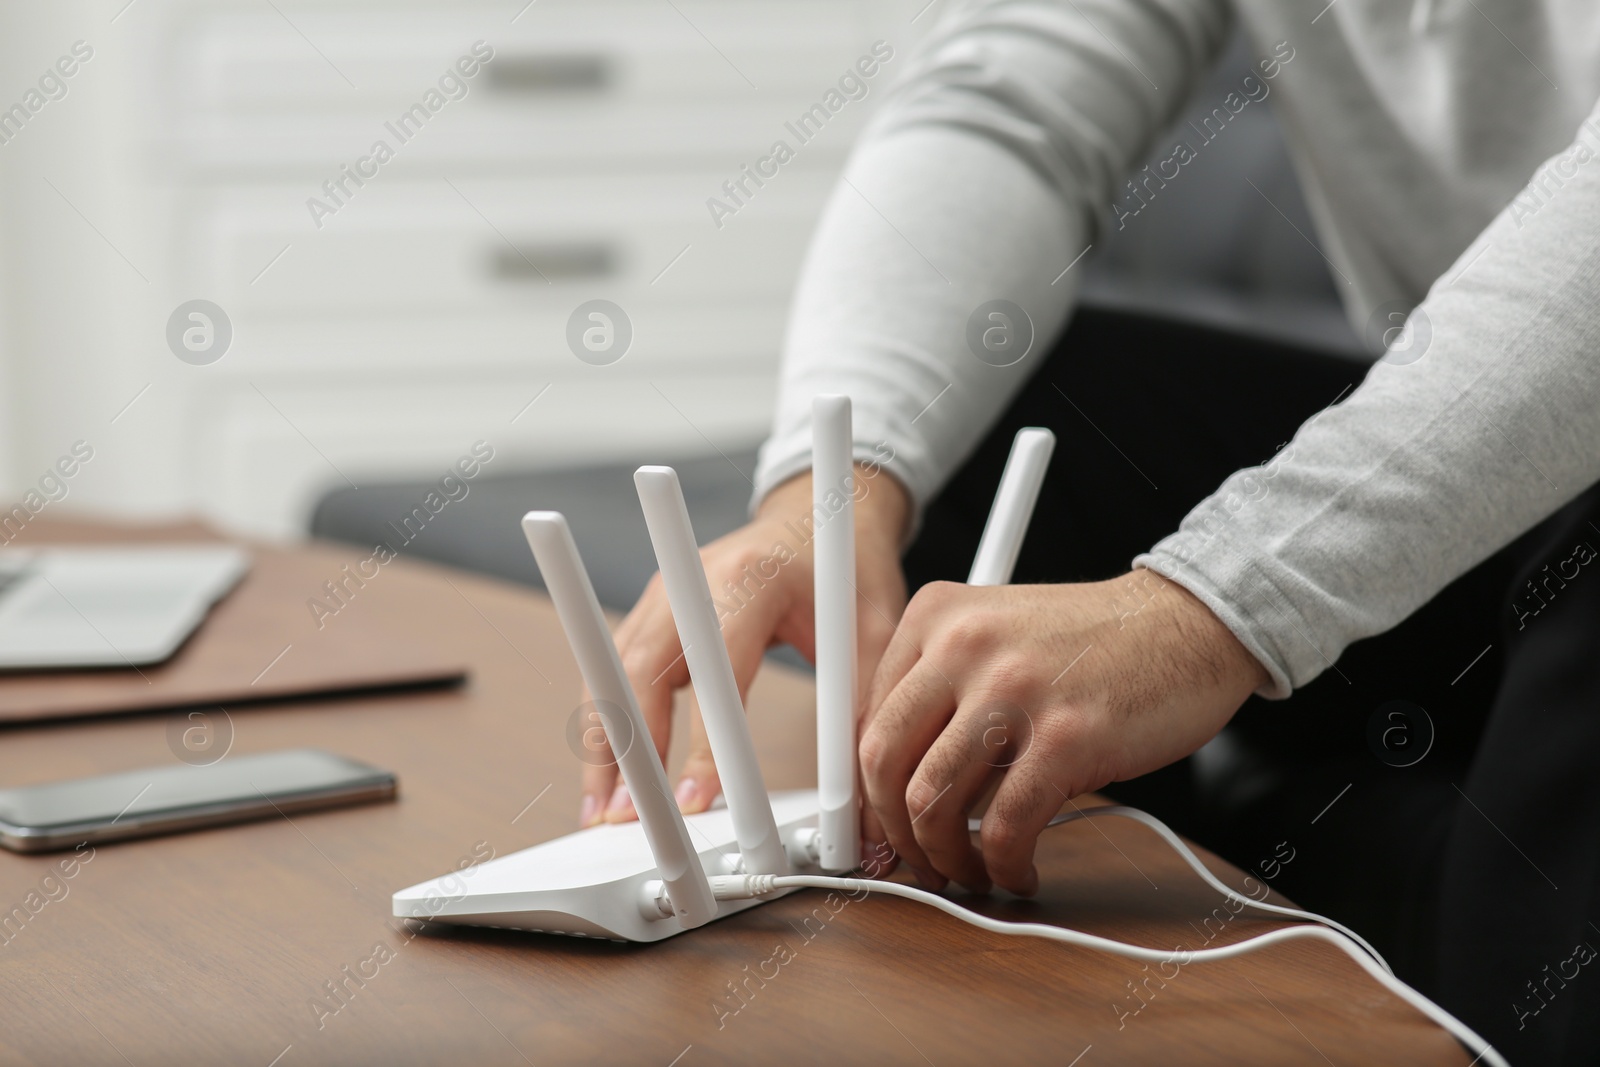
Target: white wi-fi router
[647, 880]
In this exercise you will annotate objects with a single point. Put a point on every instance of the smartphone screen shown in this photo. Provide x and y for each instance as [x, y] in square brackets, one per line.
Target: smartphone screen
[108, 807]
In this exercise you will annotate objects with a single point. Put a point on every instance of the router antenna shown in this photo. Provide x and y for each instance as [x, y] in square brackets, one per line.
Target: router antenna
[568, 583]
[689, 595]
[833, 511]
[1013, 507]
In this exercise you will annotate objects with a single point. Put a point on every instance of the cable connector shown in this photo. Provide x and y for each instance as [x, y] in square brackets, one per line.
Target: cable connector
[805, 847]
[654, 903]
[742, 886]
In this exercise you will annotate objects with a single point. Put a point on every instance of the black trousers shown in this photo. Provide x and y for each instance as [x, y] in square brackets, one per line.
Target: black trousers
[1440, 790]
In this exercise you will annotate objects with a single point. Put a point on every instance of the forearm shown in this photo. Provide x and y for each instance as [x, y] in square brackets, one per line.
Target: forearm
[881, 310]
[984, 178]
[882, 507]
[1430, 466]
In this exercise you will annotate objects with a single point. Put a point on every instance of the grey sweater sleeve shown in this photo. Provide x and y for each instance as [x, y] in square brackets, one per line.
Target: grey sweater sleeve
[984, 177]
[1436, 461]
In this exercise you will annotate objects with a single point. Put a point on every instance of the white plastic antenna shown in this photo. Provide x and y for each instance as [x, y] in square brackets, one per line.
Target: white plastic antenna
[629, 881]
[1013, 507]
[689, 595]
[567, 581]
[833, 481]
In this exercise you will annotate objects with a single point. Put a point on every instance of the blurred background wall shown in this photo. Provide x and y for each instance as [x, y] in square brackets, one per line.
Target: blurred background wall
[375, 338]
[432, 306]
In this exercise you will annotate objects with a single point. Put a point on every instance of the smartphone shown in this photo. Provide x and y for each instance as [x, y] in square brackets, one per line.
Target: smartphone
[160, 800]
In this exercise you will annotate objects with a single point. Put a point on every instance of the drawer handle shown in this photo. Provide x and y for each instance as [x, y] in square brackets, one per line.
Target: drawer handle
[553, 262]
[527, 75]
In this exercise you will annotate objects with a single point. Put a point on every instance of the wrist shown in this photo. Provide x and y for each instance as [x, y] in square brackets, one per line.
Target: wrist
[882, 507]
[1216, 653]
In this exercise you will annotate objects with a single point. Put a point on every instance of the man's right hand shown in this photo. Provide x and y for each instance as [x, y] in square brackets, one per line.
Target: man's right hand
[769, 563]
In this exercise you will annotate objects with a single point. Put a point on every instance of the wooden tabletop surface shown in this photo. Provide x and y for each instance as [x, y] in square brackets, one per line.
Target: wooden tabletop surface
[221, 946]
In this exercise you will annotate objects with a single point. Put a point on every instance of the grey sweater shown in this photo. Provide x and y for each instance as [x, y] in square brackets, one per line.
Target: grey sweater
[1448, 151]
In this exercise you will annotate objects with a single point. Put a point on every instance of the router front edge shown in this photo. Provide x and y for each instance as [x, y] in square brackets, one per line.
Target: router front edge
[650, 879]
[602, 882]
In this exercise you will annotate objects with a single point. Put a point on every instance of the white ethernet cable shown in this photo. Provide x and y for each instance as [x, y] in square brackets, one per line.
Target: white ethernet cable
[744, 886]
[1183, 850]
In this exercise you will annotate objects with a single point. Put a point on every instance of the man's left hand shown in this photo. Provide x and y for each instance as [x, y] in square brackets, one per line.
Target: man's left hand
[1039, 693]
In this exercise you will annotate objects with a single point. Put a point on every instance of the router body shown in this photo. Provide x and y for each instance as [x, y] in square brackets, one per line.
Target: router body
[648, 880]
[602, 882]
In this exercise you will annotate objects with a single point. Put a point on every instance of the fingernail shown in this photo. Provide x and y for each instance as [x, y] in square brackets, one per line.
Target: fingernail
[620, 803]
[684, 794]
[919, 798]
[589, 811]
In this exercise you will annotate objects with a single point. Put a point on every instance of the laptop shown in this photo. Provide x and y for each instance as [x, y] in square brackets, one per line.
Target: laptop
[115, 606]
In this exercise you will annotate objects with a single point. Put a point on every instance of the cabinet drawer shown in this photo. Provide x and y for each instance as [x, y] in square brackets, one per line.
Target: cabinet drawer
[474, 243]
[602, 80]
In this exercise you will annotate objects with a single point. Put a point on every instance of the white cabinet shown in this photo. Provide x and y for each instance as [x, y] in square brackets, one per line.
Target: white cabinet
[424, 305]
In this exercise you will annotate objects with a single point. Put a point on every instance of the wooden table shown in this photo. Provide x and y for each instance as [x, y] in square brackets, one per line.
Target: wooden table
[219, 946]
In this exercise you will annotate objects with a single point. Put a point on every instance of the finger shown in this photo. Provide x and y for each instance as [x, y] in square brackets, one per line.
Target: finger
[599, 766]
[652, 658]
[873, 633]
[944, 788]
[899, 657]
[902, 649]
[602, 773]
[901, 731]
[875, 847]
[747, 634]
[878, 859]
[699, 783]
[1018, 814]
